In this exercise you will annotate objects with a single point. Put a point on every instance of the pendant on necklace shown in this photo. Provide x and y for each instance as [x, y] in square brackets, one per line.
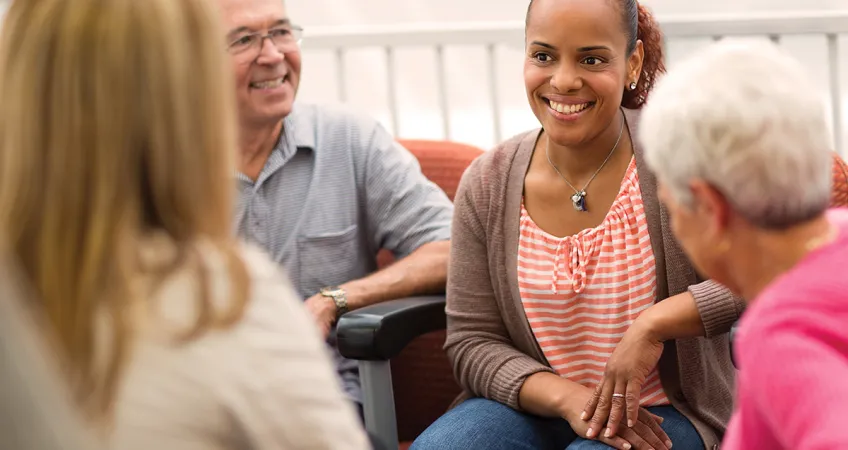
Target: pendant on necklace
[579, 201]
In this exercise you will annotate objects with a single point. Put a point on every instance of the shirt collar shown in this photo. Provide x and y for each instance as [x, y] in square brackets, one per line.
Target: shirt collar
[296, 126]
[295, 136]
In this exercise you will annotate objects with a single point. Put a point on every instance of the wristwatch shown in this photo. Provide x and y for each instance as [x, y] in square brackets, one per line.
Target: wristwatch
[339, 297]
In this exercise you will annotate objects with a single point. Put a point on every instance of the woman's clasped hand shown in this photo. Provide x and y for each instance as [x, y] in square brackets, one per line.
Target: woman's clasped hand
[646, 432]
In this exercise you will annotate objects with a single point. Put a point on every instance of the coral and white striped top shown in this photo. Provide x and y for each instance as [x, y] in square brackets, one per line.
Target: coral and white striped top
[581, 292]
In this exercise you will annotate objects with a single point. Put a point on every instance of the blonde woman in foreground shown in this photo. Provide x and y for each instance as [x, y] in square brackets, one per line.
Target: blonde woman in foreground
[116, 146]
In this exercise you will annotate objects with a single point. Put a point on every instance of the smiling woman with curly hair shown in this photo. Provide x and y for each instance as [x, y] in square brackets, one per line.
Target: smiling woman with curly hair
[559, 246]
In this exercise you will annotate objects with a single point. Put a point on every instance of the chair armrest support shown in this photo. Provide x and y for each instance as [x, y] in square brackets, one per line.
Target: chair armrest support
[733, 333]
[379, 332]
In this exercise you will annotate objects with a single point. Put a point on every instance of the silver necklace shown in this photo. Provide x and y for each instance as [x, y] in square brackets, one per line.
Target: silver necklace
[579, 197]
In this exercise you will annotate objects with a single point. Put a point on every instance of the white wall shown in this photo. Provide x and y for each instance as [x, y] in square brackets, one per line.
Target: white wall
[367, 12]
[471, 118]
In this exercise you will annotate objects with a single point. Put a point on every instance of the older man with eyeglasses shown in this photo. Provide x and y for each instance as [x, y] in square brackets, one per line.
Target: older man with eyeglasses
[323, 189]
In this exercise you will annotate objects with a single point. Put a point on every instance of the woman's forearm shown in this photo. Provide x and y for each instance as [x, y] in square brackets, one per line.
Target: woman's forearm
[676, 317]
[549, 395]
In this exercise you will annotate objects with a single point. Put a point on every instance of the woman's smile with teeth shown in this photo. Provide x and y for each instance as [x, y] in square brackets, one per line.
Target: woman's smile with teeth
[568, 108]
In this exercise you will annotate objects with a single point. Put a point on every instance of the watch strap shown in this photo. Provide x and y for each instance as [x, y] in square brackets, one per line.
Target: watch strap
[339, 297]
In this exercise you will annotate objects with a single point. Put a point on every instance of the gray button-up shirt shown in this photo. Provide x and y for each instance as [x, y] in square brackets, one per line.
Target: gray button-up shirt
[335, 190]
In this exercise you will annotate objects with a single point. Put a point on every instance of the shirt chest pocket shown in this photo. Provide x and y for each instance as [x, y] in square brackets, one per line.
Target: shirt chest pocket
[329, 258]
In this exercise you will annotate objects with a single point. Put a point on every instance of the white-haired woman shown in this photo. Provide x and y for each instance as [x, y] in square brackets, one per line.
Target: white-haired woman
[748, 201]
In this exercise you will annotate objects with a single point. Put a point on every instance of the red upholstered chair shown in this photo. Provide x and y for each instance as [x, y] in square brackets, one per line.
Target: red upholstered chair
[840, 183]
[406, 378]
[443, 162]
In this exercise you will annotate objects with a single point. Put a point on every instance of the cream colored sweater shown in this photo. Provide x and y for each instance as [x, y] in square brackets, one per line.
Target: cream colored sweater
[265, 383]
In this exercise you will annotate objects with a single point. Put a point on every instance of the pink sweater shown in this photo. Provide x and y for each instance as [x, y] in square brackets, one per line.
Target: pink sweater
[792, 348]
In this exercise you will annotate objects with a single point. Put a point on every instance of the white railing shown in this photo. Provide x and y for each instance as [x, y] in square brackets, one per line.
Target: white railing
[825, 34]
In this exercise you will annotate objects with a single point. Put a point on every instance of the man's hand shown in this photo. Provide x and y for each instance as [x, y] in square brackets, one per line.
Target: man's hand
[323, 309]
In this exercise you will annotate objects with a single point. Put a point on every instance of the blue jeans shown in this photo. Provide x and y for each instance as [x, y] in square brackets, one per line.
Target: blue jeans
[485, 424]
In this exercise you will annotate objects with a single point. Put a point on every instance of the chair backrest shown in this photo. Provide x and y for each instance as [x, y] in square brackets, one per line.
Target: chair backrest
[424, 385]
[443, 162]
[840, 183]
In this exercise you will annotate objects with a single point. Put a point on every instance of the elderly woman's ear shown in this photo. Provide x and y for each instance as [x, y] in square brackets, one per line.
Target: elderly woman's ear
[840, 183]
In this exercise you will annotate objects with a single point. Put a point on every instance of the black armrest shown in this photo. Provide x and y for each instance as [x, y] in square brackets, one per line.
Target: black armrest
[381, 331]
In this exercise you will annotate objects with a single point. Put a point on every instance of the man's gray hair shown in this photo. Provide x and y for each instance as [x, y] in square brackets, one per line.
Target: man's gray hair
[746, 118]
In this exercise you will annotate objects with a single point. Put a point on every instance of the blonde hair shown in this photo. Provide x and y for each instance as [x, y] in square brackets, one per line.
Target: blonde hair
[117, 123]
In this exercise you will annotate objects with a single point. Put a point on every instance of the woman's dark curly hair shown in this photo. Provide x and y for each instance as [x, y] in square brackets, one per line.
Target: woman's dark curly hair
[639, 25]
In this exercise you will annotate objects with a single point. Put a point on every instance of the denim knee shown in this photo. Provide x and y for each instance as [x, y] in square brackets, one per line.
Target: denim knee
[482, 423]
[682, 433]
[587, 444]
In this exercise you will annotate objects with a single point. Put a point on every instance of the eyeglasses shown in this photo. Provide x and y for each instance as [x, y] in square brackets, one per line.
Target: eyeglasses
[286, 39]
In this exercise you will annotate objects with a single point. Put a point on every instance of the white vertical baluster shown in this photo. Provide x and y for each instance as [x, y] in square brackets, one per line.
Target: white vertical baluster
[835, 91]
[491, 60]
[391, 74]
[442, 87]
[341, 73]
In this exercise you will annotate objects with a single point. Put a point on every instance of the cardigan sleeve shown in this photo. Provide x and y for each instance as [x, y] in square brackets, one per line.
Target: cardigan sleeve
[485, 361]
[719, 308]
